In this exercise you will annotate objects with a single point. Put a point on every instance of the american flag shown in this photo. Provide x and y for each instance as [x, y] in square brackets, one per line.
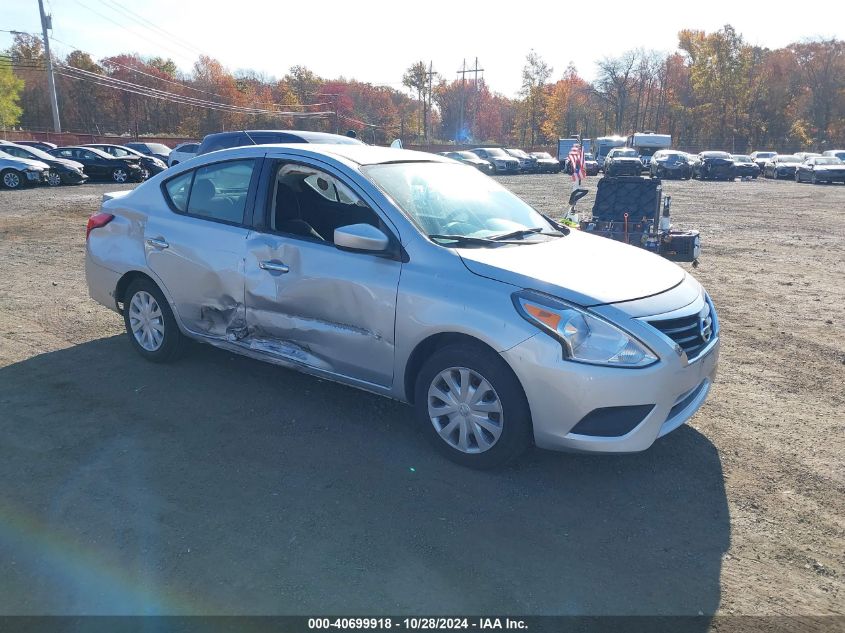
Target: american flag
[576, 159]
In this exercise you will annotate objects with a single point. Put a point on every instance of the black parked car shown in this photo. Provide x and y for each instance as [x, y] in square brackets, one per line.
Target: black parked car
[668, 163]
[159, 150]
[225, 140]
[98, 164]
[150, 164]
[545, 163]
[781, 166]
[62, 171]
[527, 163]
[468, 158]
[745, 167]
[714, 166]
[622, 161]
[819, 169]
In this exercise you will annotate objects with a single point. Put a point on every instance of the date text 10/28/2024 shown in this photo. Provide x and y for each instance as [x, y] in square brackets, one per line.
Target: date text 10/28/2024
[419, 623]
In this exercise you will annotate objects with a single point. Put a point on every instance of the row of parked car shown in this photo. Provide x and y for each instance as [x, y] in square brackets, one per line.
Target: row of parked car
[38, 162]
[509, 160]
[715, 165]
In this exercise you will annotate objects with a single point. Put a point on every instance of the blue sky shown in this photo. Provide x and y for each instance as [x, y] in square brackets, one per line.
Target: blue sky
[376, 41]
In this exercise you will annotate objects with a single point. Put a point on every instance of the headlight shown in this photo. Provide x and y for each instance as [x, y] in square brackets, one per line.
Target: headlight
[584, 337]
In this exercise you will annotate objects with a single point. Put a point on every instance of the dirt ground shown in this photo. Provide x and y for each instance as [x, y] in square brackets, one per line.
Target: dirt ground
[224, 485]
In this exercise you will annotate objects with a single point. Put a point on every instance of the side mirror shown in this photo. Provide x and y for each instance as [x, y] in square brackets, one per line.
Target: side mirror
[361, 237]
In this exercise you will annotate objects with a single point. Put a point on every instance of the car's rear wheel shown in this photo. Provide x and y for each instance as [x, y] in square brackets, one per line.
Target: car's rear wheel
[119, 175]
[150, 323]
[53, 178]
[472, 406]
[11, 179]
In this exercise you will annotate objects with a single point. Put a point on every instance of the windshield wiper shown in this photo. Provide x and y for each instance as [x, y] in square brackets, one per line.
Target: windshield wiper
[467, 239]
[519, 233]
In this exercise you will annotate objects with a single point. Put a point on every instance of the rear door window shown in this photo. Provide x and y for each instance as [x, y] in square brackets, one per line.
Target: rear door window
[178, 189]
[219, 190]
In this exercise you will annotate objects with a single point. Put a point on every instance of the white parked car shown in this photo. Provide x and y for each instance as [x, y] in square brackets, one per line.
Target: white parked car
[18, 172]
[408, 275]
[181, 153]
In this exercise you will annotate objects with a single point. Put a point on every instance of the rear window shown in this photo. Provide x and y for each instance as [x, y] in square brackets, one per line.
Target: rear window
[219, 191]
[178, 189]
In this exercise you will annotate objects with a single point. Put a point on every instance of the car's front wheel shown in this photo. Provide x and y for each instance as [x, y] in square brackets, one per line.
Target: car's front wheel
[472, 406]
[119, 175]
[11, 179]
[150, 323]
[54, 179]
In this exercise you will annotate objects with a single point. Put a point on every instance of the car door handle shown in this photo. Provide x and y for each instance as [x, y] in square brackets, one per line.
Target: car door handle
[274, 267]
[157, 242]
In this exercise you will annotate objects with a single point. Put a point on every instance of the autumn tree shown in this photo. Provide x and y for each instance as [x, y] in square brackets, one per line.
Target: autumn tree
[10, 92]
[535, 74]
[416, 79]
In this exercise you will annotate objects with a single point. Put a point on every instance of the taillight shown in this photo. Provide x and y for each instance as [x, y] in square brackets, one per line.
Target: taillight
[97, 221]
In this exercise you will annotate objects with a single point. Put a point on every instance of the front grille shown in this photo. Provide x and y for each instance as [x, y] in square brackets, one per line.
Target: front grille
[693, 333]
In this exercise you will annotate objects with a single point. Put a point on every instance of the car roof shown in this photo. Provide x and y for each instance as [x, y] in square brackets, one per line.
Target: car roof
[305, 135]
[358, 154]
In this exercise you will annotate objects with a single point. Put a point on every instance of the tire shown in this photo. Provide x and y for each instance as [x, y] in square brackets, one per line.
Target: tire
[11, 179]
[503, 407]
[53, 178]
[171, 344]
[120, 175]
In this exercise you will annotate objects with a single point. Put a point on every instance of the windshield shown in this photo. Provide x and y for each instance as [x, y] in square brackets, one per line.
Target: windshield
[715, 155]
[517, 152]
[765, 154]
[447, 199]
[788, 159]
[158, 148]
[741, 159]
[545, 155]
[467, 155]
[36, 154]
[498, 152]
[828, 160]
[627, 153]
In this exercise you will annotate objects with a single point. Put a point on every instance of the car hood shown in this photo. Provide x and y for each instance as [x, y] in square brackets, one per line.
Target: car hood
[68, 163]
[585, 269]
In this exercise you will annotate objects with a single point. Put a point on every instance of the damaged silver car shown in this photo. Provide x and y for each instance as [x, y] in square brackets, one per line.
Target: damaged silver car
[417, 278]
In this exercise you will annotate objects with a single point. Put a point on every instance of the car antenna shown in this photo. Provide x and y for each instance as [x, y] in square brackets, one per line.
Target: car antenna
[250, 138]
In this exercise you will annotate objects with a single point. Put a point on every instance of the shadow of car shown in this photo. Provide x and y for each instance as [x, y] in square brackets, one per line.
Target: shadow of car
[224, 485]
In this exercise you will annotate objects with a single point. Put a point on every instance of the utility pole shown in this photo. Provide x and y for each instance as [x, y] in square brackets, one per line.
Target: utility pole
[47, 23]
[427, 112]
[463, 73]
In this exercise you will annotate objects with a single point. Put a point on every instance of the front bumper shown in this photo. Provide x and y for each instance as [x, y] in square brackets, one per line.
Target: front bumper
[71, 177]
[562, 393]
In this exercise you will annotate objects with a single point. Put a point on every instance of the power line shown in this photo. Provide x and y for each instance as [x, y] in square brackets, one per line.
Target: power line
[118, 84]
[154, 27]
[111, 61]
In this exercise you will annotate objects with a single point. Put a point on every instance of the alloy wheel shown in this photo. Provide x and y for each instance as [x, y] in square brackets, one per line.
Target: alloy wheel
[119, 175]
[54, 179]
[146, 321]
[465, 410]
[11, 180]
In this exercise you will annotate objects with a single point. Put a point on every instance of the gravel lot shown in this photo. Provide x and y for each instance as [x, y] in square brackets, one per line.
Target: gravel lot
[224, 485]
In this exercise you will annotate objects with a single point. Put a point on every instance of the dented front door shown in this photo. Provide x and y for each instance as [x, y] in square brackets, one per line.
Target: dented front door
[201, 264]
[313, 304]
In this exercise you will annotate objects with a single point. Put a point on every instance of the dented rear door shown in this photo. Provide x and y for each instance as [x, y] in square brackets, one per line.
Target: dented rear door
[201, 264]
[197, 247]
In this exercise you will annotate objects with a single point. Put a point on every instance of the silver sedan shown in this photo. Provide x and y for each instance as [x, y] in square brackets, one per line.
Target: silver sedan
[417, 278]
